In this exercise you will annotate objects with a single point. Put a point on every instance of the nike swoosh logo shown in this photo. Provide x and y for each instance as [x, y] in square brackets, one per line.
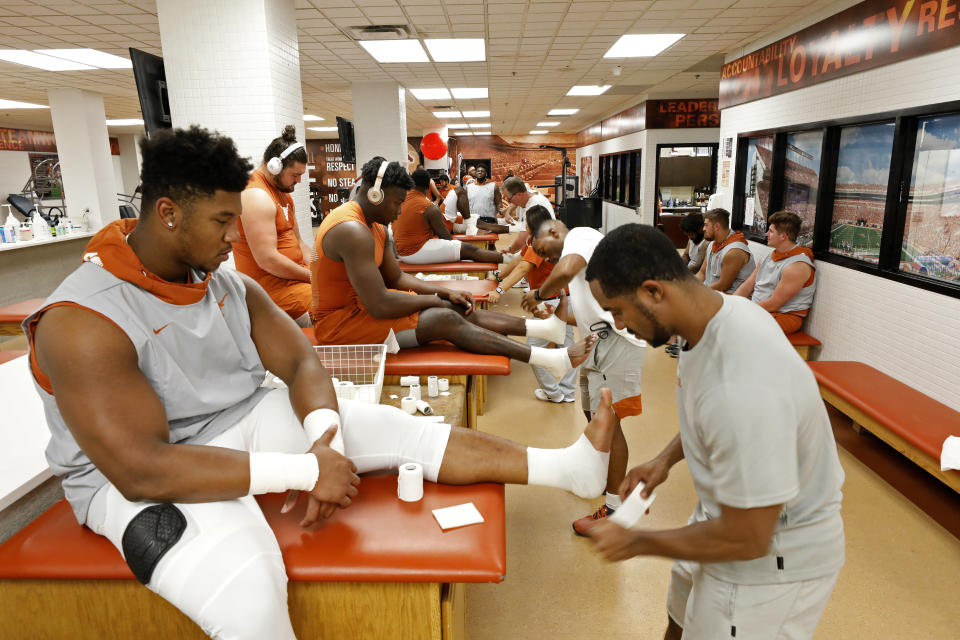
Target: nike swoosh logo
[155, 331]
[220, 304]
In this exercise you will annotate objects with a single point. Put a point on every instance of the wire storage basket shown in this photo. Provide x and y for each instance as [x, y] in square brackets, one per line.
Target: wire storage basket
[358, 369]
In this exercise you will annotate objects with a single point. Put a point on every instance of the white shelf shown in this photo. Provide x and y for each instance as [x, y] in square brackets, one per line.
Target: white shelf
[10, 246]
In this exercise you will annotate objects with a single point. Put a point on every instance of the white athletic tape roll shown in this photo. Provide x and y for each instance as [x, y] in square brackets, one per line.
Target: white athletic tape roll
[345, 390]
[433, 387]
[409, 404]
[277, 472]
[424, 408]
[633, 508]
[406, 381]
[410, 482]
[415, 390]
[316, 424]
[443, 384]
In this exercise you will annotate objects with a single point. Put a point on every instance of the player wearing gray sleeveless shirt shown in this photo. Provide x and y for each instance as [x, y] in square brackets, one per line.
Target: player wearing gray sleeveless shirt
[768, 277]
[199, 358]
[714, 262]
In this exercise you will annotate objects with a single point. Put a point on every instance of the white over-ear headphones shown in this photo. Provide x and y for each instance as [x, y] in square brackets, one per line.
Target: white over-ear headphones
[375, 193]
[275, 164]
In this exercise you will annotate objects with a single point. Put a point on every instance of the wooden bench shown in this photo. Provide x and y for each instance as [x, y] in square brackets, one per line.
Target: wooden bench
[465, 267]
[447, 361]
[802, 343]
[12, 315]
[380, 569]
[482, 240]
[909, 421]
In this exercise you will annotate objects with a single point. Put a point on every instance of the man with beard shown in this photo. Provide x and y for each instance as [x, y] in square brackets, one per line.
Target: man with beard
[484, 195]
[763, 548]
[270, 249]
[617, 359]
[728, 262]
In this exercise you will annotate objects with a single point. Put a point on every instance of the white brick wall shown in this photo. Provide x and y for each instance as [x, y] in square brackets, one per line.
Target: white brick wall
[234, 66]
[906, 332]
[615, 215]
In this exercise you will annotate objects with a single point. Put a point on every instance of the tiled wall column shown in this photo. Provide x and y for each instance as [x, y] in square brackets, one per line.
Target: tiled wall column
[379, 122]
[234, 66]
[80, 125]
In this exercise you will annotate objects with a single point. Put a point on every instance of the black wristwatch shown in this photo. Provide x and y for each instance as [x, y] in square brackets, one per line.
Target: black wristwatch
[496, 274]
[536, 295]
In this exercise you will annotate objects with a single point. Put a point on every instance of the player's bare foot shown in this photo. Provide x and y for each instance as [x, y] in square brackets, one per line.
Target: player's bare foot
[578, 353]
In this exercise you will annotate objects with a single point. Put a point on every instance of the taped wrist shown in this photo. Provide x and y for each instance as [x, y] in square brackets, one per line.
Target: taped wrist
[278, 472]
[318, 421]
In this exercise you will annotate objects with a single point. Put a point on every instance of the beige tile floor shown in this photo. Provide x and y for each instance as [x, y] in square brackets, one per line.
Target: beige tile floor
[901, 579]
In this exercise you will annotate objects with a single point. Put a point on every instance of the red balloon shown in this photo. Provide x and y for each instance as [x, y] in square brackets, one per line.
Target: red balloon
[433, 146]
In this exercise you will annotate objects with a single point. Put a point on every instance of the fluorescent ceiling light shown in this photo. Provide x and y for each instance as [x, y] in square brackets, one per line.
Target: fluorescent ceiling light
[476, 114]
[322, 128]
[562, 112]
[466, 93]
[40, 61]
[457, 49]
[91, 57]
[124, 122]
[548, 124]
[463, 133]
[641, 45]
[460, 125]
[395, 50]
[430, 94]
[309, 118]
[485, 125]
[587, 90]
[539, 131]
[13, 104]
[447, 114]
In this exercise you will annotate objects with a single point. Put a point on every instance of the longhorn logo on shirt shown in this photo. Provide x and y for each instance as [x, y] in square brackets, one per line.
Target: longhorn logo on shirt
[93, 257]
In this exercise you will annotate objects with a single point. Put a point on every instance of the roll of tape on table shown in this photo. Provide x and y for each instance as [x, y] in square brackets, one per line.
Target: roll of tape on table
[406, 381]
[415, 390]
[410, 482]
[443, 384]
[433, 387]
[346, 390]
[409, 404]
[424, 408]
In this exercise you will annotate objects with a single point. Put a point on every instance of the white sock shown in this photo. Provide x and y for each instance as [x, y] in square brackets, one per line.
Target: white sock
[556, 361]
[578, 468]
[613, 500]
[553, 329]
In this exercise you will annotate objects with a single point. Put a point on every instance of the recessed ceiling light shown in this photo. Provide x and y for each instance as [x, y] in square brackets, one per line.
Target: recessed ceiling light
[463, 133]
[124, 122]
[539, 131]
[466, 93]
[395, 50]
[476, 114]
[457, 49]
[91, 57]
[548, 124]
[309, 118]
[447, 114]
[562, 112]
[587, 90]
[430, 94]
[641, 45]
[460, 125]
[485, 125]
[322, 128]
[40, 61]
[13, 104]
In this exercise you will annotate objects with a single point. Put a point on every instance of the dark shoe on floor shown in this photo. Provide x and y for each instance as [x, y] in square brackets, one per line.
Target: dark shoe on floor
[580, 526]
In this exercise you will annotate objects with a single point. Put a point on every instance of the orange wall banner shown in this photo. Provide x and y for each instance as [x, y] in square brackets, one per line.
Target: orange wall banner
[865, 36]
[27, 140]
[654, 114]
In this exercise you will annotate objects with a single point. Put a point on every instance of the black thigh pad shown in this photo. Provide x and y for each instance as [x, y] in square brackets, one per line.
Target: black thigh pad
[149, 536]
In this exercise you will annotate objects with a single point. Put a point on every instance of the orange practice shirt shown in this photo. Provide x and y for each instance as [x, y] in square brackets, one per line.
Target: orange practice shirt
[411, 230]
[287, 242]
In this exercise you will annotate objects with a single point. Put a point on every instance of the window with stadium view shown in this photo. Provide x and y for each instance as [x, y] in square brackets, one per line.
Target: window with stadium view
[756, 187]
[931, 238]
[860, 192]
[801, 175]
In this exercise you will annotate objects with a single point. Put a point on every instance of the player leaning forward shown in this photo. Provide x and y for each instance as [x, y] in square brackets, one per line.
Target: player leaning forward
[765, 543]
[166, 428]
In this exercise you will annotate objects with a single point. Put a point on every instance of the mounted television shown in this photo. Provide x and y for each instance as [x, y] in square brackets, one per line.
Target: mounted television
[348, 149]
[152, 89]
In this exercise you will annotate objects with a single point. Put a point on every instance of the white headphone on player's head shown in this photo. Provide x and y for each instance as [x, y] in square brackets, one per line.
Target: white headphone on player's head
[375, 193]
[275, 164]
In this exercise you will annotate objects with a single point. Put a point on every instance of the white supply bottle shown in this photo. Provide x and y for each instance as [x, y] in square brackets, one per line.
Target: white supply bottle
[12, 227]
